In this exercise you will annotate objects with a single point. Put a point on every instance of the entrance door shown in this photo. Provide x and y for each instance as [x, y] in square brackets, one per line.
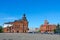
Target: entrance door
[17, 31]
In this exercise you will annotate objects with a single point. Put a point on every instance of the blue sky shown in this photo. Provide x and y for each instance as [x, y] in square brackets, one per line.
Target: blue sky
[36, 11]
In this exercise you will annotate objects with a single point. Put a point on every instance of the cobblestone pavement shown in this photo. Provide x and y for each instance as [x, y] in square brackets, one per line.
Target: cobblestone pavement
[28, 36]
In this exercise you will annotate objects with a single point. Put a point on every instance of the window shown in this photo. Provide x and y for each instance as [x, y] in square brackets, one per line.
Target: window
[12, 27]
[7, 29]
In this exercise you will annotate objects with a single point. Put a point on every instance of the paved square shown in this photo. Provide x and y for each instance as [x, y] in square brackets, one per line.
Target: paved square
[28, 36]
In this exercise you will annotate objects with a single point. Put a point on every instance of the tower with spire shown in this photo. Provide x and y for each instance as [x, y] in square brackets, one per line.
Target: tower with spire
[24, 17]
[25, 23]
[46, 22]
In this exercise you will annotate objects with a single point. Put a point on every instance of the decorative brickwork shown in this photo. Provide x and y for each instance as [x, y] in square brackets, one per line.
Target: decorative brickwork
[46, 27]
[18, 26]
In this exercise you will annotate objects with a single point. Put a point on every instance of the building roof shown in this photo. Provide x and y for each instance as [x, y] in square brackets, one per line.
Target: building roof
[8, 23]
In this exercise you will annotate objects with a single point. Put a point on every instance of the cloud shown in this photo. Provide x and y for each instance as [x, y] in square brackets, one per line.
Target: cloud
[8, 18]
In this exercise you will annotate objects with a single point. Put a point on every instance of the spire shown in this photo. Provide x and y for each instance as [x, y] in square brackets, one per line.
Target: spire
[46, 22]
[24, 17]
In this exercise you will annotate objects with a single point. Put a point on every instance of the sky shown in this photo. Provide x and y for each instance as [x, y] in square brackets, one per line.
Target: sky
[36, 11]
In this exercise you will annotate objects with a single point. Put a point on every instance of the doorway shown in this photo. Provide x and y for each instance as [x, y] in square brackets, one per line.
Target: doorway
[17, 31]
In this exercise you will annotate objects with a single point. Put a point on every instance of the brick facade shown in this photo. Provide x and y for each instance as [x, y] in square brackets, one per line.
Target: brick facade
[46, 27]
[18, 26]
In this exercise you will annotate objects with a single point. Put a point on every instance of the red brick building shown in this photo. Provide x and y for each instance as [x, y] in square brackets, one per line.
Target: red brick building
[46, 27]
[18, 26]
